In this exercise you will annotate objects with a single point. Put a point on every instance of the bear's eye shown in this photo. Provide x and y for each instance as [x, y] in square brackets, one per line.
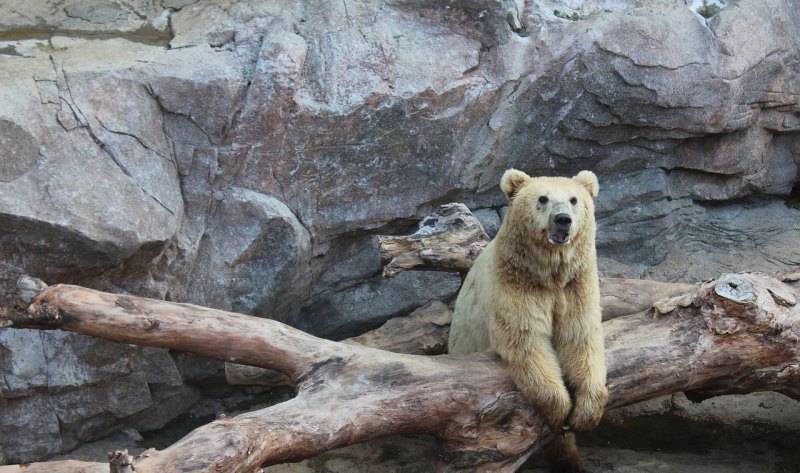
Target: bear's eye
[573, 201]
[543, 199]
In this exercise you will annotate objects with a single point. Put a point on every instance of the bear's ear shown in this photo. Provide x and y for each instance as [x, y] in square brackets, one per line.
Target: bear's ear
[511, 182]
[588, 180]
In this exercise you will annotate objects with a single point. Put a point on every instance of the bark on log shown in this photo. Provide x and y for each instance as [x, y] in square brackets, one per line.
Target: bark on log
[740, 333]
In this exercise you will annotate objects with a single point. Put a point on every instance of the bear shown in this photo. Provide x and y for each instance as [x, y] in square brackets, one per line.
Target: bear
[533, 297]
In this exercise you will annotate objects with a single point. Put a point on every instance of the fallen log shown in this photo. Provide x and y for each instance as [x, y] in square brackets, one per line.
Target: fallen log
[345, 393]
[740, 333]
[425, 331]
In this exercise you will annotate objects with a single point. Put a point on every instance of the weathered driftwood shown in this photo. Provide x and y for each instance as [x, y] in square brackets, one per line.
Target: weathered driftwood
[118, 462]
[423, 332]
[447, 240]
[345, 393]
[620, 297]
[737, 334]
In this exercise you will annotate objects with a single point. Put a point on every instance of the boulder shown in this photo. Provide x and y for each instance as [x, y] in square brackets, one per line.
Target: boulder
[252, 257]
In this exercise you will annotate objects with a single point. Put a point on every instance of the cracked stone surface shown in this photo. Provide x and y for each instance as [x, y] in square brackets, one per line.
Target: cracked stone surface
[244, 155]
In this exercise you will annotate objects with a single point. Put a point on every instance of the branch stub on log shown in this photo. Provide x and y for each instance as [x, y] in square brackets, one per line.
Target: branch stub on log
[735, 288]
[448, 240]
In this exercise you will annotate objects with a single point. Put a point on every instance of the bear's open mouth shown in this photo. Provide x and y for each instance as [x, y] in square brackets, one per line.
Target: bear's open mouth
[558, 238]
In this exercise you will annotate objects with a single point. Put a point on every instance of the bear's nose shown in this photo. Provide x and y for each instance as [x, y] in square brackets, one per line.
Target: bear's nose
[562, 221]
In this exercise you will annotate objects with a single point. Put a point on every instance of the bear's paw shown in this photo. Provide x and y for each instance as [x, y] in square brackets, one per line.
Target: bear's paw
[588, 409]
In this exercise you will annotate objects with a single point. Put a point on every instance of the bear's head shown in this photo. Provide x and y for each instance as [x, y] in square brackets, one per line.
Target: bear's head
[553, 210]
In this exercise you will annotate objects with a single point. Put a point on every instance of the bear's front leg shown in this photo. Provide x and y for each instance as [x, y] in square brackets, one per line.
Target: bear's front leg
[521, 335]
[590, 402]
[578, 338]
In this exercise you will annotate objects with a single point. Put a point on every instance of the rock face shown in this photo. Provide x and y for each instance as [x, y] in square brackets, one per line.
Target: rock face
[243, 156]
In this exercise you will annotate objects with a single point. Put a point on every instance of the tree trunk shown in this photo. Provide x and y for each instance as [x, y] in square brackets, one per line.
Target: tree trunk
[737, 334]
[425, 331]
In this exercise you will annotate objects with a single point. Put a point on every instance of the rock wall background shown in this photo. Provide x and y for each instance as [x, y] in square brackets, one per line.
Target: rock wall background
[243, 155]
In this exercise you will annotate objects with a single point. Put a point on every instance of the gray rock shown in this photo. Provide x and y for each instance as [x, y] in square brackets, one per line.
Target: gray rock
[61, 227]
[23, 363]
[96, 12]
[98, 451]
[351, 296]
[78, 360]
[199, 370]
[251, 255]
[61, 389]
[755, 235]
[489, 219]
[30, 429]
[20, 148]
[716, 461]
[47, 423]
[160, 367]
[168, 404]
[138, 20]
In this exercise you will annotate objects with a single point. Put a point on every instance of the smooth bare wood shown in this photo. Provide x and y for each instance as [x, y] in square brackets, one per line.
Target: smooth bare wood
[237, 374]
[347, 393]
[184, 327]
[118, 462]
[737, 334]
[425, 331]
[447, 240]
[620, 297]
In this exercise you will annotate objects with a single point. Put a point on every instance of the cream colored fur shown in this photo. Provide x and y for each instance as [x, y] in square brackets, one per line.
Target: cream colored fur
[537, 304]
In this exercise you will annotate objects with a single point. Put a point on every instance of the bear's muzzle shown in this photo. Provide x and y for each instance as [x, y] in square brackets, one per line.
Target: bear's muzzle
[561, 224]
